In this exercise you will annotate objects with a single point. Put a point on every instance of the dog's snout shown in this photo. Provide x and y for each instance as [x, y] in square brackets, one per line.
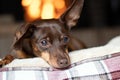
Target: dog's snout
[63, 63]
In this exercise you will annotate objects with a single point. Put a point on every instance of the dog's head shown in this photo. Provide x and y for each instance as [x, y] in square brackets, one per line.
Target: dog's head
[49, 38]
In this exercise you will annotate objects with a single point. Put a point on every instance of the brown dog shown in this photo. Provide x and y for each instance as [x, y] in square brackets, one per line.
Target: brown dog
[49, 39]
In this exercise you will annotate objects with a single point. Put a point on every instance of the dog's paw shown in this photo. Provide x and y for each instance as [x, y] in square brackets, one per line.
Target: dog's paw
[6, 60]
[0, 64]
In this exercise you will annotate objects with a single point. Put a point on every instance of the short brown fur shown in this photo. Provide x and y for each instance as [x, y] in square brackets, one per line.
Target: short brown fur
[49, 39]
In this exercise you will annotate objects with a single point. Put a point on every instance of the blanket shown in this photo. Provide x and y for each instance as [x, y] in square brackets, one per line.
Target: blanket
[98, 63]
[99, 68]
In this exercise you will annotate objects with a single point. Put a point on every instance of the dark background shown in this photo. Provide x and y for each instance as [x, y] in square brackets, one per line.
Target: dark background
[99, 22]
[95, 12]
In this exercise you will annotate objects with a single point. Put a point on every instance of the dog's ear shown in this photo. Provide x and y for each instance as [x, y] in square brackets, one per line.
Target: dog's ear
[72, 14]
[24, 32]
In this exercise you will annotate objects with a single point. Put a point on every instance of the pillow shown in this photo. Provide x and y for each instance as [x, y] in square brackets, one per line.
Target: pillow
[99, 68]
[97, 63]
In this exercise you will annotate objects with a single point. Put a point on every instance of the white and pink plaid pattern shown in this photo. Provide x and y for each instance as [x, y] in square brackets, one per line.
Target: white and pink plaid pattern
[99, 68]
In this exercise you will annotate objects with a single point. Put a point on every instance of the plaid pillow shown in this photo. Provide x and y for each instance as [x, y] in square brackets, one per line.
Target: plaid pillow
[98, 68]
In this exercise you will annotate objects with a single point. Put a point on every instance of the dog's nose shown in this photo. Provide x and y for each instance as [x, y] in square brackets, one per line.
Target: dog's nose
[63, 63]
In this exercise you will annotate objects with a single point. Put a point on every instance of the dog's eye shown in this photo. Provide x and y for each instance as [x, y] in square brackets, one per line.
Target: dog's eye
[44, 42]
[65, 39]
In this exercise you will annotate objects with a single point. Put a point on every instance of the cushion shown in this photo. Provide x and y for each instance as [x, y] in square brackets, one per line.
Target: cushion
[97, 63]
[98, 68]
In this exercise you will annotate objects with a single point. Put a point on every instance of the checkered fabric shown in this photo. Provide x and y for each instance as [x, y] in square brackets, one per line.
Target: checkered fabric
[99, 68]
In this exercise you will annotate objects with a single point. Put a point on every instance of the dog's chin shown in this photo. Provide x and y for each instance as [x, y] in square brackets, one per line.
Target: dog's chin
[61, 67]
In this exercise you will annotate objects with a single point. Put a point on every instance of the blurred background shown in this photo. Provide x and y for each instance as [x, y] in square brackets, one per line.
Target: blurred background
[99, 22]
